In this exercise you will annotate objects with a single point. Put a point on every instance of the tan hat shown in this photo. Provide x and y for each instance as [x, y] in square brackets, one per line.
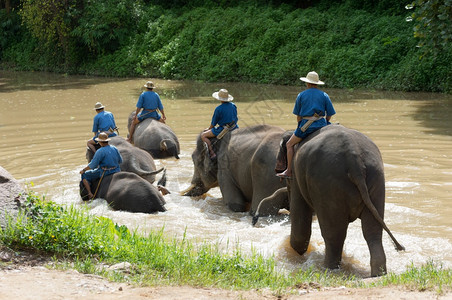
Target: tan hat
[223, 95]
[313, 78]
[103, 137]
[149, 85]
[98, 106]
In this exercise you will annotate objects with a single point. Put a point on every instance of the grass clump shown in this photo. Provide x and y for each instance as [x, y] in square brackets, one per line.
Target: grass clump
[91, 244]
[431, 276]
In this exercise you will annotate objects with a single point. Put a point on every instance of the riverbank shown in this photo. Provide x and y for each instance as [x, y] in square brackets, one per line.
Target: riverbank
[30, 279]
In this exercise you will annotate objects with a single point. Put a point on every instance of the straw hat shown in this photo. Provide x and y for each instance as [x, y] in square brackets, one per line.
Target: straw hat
[223, 95]
[98, 106]
[313, 78]
[103, 137]
[149, 85]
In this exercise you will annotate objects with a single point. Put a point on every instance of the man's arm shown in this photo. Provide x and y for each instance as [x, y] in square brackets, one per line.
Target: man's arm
[163, 114]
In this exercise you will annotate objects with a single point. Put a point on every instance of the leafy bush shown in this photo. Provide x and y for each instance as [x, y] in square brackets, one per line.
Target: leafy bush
[351, 44]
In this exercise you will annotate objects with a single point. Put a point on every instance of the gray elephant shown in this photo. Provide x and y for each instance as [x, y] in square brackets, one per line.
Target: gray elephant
[134, 159]
[155, 137]
[127, 191]
[243, 168]
[338, 174]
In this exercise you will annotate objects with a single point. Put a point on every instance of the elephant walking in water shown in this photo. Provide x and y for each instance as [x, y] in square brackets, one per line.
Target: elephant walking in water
[338, 174]
[134, 159]
[243, 168]
[127, 191]
[155, 137]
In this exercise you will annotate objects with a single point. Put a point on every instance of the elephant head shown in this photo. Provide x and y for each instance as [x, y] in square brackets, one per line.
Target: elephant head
[205, 169]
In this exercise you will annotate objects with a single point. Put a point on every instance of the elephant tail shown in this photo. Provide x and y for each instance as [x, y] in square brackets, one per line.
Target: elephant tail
[282, 192]
[144, 173]
[362, 187]
[161, 184]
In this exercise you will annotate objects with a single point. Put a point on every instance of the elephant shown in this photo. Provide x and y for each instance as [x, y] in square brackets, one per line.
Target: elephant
[155, 137]
[338, 175]
[135, 160]
[127, 191]
[243, 168]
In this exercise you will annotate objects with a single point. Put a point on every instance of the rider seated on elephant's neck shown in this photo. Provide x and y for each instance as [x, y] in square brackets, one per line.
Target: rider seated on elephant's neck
[225, 116]
[105, 162]
[313, 109]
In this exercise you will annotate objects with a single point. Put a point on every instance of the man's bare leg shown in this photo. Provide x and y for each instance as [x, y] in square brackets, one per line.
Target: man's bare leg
[290, 151]
[132, 129]
[91, 145]
[205, 138]
[88, 188]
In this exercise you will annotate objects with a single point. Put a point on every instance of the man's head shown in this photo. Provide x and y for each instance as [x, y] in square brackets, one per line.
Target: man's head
[103, 139]
[312, 79]
[149, 85]
[98, 107]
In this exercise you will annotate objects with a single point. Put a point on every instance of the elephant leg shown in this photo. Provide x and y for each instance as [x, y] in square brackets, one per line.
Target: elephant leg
[232, 195]
[334, 242]
[373, 232]
[300, 219]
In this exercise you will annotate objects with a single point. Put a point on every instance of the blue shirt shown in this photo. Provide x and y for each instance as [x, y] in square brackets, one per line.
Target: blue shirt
[150, 100]
[107, 157]
[224, 113]
[103, 121]
[313, 101]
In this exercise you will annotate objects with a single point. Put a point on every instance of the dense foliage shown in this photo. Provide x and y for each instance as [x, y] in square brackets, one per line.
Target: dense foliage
[350, 43]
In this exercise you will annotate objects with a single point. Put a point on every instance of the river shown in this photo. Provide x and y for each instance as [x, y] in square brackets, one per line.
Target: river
[46, 119]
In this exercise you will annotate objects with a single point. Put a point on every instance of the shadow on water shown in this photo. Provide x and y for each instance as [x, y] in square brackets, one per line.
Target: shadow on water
[435, 115]
[11, 81]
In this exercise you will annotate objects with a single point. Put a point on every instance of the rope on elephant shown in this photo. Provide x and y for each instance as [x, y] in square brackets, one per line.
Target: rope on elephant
[98, 185]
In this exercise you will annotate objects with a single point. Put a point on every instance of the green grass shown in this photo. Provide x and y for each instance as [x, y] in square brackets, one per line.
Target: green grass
[88, 244]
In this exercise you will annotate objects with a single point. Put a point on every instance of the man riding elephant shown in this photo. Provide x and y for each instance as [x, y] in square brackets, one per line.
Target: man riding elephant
[148, 103]
[313, 109]
[105, 162]
[104, 121]
[338, 175]
[225, 116]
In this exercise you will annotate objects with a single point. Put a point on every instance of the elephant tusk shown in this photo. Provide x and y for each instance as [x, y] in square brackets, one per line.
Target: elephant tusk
[163, 146]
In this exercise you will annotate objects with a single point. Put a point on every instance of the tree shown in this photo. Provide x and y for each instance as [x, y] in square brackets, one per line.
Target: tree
[433, 23]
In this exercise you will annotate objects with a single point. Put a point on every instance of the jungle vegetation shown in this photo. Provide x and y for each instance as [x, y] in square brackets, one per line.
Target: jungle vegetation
[391, 45]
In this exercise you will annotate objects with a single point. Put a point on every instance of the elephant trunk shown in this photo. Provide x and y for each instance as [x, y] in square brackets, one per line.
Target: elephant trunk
[267, 202]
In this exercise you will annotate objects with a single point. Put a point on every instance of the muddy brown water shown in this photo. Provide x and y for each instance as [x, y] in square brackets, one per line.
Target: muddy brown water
[45, 120]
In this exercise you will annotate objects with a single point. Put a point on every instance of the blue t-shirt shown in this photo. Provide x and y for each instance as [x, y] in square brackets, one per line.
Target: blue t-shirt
[107, 157]
[224, 113]
[103, 121]
[313, 101]
[150, 100]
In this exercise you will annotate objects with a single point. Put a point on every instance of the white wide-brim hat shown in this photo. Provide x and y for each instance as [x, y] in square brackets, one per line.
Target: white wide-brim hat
[98, 106]
[149, 85]
[223, 95]
[313, 78]
[103, 137]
